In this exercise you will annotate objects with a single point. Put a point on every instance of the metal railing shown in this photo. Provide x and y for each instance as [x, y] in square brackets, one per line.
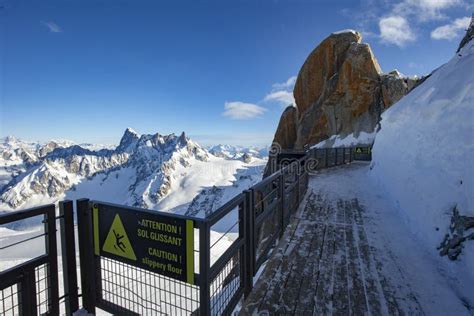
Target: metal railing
[233, 243]
[265, 210]
[31, 287]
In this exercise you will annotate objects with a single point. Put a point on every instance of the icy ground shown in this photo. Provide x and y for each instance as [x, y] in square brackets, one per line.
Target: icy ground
[348, 250]
[441, 286]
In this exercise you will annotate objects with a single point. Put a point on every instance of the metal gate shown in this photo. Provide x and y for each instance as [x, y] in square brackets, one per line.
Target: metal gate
[120, 286]
[31, 287]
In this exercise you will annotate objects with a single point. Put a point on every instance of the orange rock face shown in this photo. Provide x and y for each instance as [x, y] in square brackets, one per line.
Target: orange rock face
[286, 131]
[339, 90]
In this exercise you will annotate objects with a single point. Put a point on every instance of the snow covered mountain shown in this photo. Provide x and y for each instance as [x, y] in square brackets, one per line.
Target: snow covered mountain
[238, 152]
[152, 171]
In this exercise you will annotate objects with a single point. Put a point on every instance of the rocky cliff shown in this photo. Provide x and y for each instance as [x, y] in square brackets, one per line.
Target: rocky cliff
[340, 90]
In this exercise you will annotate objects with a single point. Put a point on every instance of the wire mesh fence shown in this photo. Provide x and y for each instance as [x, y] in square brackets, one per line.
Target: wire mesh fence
[10, 300]
[29, 279]
[42, 282]
[226, 285]
[133, 290]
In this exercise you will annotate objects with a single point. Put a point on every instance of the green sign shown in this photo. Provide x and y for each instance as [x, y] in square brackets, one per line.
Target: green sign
[150, 240]
[362, 150]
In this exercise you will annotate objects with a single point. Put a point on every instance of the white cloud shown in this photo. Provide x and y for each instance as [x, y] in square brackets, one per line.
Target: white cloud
[242, 111]
[288, 84]
[452, 30]
[52, 27]
[396, 30]
[425, 10]
[282, 92]
[282, 96]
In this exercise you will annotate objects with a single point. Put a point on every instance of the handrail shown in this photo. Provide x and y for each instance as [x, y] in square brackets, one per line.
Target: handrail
[23, 214]
[261, 221]
[265, 181]
[225, 209]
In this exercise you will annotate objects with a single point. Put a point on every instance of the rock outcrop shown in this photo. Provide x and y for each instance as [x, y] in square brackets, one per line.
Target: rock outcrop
[287, 128]
[340, 90]
[469, 35]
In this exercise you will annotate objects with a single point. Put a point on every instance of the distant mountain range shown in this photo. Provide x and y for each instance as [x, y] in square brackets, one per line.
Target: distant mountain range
[165, 172]
[238, 152]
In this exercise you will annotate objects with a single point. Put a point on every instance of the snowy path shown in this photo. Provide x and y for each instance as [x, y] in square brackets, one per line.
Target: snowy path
[346, 252]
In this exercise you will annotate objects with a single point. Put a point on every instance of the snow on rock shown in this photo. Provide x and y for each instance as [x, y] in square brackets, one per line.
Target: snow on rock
[334, 141]
[422, 156]
[345, 31]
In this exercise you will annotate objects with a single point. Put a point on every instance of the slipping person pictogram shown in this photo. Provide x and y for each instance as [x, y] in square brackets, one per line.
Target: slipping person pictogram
[117, 242]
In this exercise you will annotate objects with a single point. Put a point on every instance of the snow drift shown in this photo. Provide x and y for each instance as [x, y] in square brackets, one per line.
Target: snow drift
[422, 156]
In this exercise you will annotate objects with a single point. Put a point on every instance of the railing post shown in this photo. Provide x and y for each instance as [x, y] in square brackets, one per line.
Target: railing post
[252, 233]
[86, 254]
[335, 157]
[247, 253]
[297, 185]
[68, 247]
[281, 179]
[204, 269]
[52, 268]
[327, 157]
[343, 155]
[27, 299]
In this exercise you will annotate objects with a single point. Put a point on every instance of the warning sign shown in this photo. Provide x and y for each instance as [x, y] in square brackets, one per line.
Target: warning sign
[363, 153]
[117, 241]
[150, 240]
[362, 150]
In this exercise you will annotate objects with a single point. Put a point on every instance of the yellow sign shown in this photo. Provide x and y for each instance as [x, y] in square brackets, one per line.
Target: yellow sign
[117, 241]
[358, 150]
[152, 241]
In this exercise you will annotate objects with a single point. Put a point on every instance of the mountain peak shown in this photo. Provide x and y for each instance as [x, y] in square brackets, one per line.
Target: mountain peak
[130, 130]
[129, 137]
[182, 139]
[10, 139]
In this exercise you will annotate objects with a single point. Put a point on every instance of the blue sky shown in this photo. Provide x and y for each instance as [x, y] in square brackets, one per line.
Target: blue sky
[219, 70]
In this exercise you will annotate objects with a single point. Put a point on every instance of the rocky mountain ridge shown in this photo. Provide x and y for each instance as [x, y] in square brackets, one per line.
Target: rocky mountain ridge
[52, 169]
[165, 172]
[238, 152]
